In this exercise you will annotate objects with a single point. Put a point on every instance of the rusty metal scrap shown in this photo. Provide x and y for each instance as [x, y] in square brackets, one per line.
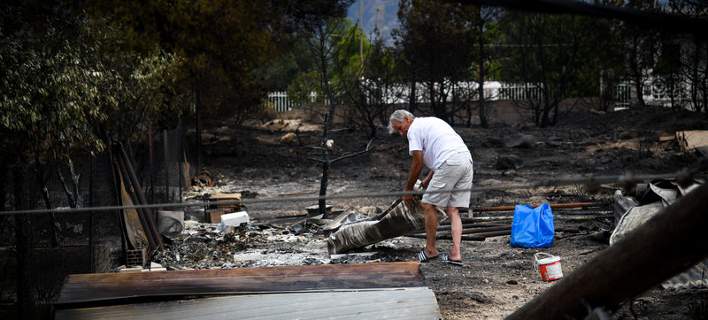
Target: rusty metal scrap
[399, 221]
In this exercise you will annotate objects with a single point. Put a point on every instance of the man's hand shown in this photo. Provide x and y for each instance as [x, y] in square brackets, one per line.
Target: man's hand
[408, 197]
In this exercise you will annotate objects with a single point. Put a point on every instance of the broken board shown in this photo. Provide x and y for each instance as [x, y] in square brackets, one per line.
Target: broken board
[110, 288]
[134, 228]
[394, 303]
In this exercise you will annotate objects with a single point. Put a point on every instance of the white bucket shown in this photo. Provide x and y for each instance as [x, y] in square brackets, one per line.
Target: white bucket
[235, 219]
[548, 266]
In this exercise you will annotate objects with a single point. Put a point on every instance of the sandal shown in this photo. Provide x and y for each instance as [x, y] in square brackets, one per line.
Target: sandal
[446, 259]
[424, 257]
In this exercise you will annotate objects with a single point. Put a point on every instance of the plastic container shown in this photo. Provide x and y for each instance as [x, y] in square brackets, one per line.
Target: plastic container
[548, 266]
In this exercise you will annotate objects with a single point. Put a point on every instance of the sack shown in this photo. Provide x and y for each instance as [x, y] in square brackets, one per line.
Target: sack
[532, 227]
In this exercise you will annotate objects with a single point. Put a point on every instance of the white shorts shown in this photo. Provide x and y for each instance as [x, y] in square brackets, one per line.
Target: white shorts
[452, 174]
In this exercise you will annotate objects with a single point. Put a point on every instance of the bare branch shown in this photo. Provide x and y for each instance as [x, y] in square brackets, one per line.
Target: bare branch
[346, 156]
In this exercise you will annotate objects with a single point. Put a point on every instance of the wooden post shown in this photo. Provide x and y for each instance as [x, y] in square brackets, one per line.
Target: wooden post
[325, 166]
[671, 242]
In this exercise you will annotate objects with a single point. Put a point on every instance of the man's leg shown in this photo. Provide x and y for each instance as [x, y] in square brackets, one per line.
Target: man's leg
[431, 229]
[456, 229]
[459, 200]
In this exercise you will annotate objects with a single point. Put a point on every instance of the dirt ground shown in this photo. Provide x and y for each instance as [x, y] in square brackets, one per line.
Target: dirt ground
[496, 278]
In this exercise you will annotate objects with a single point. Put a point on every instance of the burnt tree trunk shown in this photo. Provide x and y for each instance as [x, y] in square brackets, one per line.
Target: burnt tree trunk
[92, 174]
[25, 301]
[322, 203]
[637, 71]
[42, 184]
[3, 177]
[694, 74]
[704, 83]
[412, 100]
[482, 109]
[329, 116]
[197, 128]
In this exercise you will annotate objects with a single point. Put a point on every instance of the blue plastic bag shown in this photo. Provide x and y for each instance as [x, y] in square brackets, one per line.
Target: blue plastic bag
[532, 227]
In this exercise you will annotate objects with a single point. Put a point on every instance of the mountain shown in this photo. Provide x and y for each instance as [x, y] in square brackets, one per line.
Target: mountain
[376, 14]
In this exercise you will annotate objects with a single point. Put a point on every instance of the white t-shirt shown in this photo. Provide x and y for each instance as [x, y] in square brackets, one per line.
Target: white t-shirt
[438, 141]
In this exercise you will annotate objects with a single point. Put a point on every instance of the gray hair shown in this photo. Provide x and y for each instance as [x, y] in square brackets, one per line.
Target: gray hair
[398, 116]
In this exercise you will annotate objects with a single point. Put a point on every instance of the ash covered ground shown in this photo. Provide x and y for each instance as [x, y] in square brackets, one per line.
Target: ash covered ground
[496, 278]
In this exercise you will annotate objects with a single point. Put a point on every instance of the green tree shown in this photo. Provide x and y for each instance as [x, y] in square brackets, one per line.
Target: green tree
[65, 84]
[436, 41]
[369, 93]
[553, 54]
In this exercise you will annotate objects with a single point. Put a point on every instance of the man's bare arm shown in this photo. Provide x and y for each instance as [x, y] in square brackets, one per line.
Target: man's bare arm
[416, 168]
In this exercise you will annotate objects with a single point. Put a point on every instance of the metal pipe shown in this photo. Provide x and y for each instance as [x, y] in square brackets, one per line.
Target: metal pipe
[571, 205]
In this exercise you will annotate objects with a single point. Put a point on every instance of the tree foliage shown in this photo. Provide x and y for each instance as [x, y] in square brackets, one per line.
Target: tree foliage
[553, 53]
[436, 42]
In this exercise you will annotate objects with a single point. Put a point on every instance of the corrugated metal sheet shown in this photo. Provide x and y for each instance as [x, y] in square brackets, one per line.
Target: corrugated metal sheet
[694, 278]
[405, 303]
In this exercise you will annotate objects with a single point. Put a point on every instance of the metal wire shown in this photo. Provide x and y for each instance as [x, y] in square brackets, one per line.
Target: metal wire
[587, 180]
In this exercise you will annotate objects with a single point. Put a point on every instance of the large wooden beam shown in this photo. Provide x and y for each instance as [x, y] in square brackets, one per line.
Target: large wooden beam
[669, 243]
[110, 288]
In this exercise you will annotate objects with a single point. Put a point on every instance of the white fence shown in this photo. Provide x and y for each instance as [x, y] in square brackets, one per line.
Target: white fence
[280, 102]
[493, 91]
[654, 93]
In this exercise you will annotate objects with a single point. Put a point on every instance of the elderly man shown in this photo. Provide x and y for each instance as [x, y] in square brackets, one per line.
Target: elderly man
[433, 143]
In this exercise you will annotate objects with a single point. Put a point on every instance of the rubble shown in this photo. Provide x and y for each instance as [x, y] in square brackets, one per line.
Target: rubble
[206, 246]
[170, 223]
[652, 199]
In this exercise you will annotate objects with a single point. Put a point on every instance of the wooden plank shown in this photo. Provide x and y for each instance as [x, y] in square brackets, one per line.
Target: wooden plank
[97, 287]
[400, 303]
[133, 223]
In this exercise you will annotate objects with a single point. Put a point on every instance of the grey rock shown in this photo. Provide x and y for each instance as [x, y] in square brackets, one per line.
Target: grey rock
[508, 162]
